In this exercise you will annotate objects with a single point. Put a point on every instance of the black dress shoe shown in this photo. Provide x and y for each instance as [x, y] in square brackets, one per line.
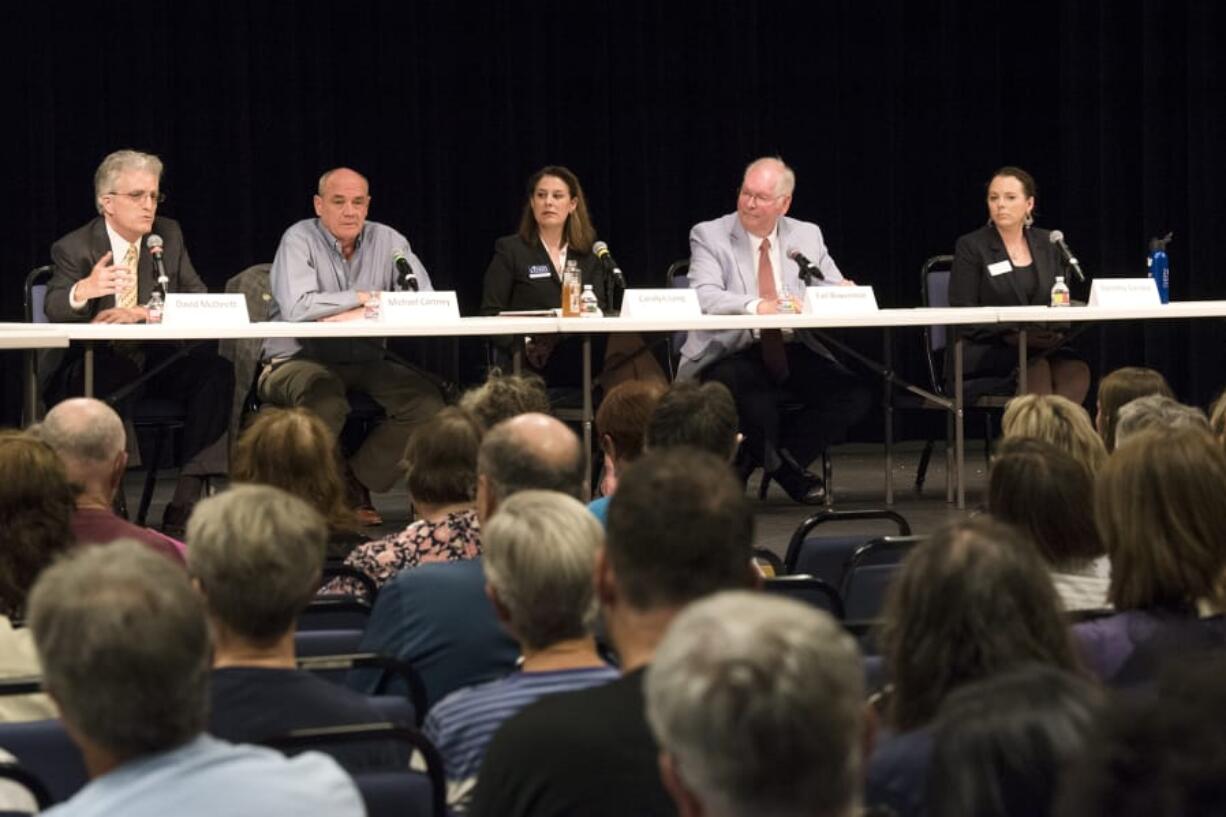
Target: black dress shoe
[174, 520]
[801, 485]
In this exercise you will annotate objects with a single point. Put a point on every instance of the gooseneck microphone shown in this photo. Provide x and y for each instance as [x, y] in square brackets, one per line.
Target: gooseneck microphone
[1057, 237]
[155, 244]
[808, 270]
[406, 279]
[601, 251]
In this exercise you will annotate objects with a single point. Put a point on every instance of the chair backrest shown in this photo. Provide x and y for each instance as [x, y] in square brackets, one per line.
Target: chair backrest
[311, 643]
[826, 556]
[808, 589]
[36, 294]
[39, 798]
[335, 613]
[336, 668]
[339, 570]
[44, 749]
[868, 574]
[934, 292]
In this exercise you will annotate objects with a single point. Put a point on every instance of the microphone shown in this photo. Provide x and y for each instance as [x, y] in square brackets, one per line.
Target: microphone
[1057, 237]
[154, 243]
[405, 277]
[808, 270]
[601, 251]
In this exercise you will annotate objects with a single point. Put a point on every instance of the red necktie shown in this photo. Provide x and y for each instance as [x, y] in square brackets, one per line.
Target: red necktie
[773, 354]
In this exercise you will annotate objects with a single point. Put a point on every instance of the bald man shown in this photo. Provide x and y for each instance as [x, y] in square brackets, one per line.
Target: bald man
[528, 452]
[326, 269]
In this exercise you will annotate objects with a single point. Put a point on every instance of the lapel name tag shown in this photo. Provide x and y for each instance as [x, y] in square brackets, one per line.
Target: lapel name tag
[418, 307]
[839, 300]
[539, 271]
[204, 309]
[1124, 292]
[661, 303]
[999, 268]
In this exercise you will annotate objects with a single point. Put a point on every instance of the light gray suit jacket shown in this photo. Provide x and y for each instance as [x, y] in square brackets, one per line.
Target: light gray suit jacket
[725, 274]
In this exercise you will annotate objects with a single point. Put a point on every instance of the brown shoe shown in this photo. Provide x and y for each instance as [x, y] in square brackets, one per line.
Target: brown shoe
[367, 516]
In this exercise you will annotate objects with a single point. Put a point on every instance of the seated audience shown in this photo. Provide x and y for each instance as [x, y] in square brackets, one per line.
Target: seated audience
[88, 437]
[36, 505]
[1217, 418]
[540, 552]
[1002, 746]
[1046, 494]
[1060, 422]
[441, 474]
[757, 704]
[700, 416]
[503, 396]
[621, 424]
[1159, 508]
[256, 554]
[679, 529]
[1158, 413]
[1120, 387]
[125, 651]
[292, 449]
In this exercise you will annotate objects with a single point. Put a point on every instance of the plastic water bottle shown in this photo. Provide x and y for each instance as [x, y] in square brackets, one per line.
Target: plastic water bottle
[371, 310]
[1159, 266]
[1059, 292]
[589, 306]
[155, 307]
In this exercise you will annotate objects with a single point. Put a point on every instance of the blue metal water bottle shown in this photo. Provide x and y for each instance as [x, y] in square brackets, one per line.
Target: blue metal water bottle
[1159, 265]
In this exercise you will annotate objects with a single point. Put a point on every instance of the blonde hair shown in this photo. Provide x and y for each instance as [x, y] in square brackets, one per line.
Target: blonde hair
[1059, 421]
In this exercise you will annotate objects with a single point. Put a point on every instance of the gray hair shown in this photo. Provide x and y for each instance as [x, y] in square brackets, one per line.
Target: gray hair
[122, 161]
[787, 177]
[759, 701]
[257, 551]
[503, 396]
[510, 464]
[124, 647]
[539, 555]
[1156, 412]
[82, 429]
[323, 180]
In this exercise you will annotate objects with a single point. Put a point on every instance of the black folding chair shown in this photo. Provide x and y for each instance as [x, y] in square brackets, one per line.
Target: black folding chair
[826, 556]
[335, 668]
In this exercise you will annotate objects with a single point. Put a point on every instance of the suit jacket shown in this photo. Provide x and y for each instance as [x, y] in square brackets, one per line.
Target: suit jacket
[724, 272]
[970, 283]
[75, 254]
[509, 284]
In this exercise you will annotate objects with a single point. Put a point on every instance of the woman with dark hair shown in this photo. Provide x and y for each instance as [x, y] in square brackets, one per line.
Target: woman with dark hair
[1008, 262]
[1121, 387]
[1045, 492]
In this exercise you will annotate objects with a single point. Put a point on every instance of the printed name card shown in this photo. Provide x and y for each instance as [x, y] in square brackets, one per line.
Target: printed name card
[840, 300]
[418, 307]
[660, 303]
[203, 309]
[1122, 292]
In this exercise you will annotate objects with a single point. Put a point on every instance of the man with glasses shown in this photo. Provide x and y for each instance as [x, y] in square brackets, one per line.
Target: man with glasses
[104, 273]
[742, 264]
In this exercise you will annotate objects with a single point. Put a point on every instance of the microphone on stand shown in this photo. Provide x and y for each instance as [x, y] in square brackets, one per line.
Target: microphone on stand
[601, 251]
[154, 243]
[1057, 237]
[406, 279]
[808, 270]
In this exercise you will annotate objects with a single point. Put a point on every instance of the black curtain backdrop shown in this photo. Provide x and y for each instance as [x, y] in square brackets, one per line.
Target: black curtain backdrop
[892, 114]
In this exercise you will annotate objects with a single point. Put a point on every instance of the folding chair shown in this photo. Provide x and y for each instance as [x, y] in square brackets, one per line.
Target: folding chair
[826, 556]
[809, 590]
[868, 574]
[335, 668]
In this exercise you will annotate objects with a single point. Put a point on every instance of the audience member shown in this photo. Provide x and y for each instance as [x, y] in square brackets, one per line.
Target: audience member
[88, 437]
[1159, 413]
[679, 529]
[125, 649]
[256, 554]
[1003, 745]
[621, 425]
[1159, 508]
[1047, 494]
[503, 396]
[757, 704]
[1059, 421]
[292, 449]
[1217, 418]
[701, 416]
[1120, 387]
[529, 451]
[539, 556]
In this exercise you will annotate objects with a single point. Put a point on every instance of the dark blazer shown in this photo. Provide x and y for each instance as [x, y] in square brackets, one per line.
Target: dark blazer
[509, 286]
[75, 254]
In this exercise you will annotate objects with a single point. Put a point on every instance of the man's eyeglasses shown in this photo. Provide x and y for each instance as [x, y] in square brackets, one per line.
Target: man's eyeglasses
[757, 198]
[139, 196]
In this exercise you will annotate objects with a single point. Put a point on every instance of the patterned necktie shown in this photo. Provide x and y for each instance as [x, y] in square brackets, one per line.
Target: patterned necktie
[127, 298]
[774, 355]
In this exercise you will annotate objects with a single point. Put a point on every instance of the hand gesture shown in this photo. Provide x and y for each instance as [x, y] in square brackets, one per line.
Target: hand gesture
[105, 279]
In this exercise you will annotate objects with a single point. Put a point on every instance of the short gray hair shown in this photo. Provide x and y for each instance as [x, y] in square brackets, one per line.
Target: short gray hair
[83, 429]
[759, 699]
[257, 551]
[122, 161]
[539, 556]
[124, 647]
[1157, 412]
[787, 177]
[511, 465]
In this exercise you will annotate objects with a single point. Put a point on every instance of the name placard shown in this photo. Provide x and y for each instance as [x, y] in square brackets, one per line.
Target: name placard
[418, 307]
[840, 300]
[205, 309]
[1124, 292]
[660, 303]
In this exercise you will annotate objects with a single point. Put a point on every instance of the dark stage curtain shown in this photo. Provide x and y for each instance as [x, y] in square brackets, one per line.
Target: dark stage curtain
[892, 114]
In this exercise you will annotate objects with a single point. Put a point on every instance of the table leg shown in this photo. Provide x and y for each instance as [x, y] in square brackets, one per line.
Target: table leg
[1021, 362]
[959, 431]
[89, 369]
[587, 417]
[887, 403]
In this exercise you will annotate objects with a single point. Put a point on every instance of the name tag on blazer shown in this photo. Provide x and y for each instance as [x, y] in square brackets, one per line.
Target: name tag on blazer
[1000, 268]
[538, 271]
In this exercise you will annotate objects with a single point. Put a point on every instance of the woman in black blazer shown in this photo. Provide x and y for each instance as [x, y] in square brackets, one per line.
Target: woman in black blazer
[1010, 263]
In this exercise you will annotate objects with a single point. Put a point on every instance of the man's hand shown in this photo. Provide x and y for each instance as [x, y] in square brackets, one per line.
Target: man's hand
[104, 279]
[355, 314]
[137, 314]
[769, 307]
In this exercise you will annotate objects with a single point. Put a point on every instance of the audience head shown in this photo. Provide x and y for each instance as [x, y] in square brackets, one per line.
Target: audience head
[699, 415]
[621, 420]
[530, 451]
[88, 436]
[36, 506]
[679, 529]
[1120, 387]
[1156, 413]
[1160, 509]
[1045, 493]
[554, 193]
[539, 556]
[757, 705]
[256, 553]
[292, 449]
[440, 460]
[1002, 745]
[1217, 418]
[503, 396]
[969, 602]
[1059, 421]
[124, 648]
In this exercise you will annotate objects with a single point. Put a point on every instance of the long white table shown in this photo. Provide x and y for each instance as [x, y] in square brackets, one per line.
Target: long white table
[32, 336]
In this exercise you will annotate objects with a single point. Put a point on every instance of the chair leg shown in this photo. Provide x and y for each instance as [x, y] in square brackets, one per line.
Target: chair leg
[827, 477]
[921, 473]
[151, 475]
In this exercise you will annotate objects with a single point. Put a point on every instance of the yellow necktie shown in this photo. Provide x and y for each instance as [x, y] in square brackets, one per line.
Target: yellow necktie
[127, 298]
